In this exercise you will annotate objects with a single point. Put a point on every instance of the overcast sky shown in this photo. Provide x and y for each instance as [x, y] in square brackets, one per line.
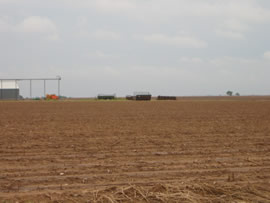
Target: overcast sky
[166, 47]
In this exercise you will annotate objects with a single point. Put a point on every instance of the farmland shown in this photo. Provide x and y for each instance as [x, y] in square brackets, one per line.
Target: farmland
[193, 150]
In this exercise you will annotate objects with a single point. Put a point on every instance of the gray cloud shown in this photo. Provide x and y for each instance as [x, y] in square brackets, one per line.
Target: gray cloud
[182, 41]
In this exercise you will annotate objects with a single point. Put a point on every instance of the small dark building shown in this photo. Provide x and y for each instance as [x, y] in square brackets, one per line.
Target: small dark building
[129, 97]
[142, 96]
[166, 98]
[106, 96]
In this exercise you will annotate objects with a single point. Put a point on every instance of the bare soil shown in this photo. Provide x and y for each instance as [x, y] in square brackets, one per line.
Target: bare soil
[189, 150]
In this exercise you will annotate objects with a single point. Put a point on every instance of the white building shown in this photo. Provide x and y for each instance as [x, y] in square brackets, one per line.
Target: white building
[9, 89]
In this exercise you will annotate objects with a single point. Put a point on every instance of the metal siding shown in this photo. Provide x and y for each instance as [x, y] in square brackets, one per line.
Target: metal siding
[9, 84]
[9, 94]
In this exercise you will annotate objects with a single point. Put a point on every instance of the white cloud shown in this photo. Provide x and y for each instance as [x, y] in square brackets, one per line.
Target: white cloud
[247, 10]
[230, 34]
[231, 61]
[182, 41]
[193, 60]
[236, 18]
[106, 35]
[266, 55]
[102, 5]
[240, 10]
[100, 34]
[115, 5]
[8, 1]
[39, 25]
[101, 55]
[236, 25]
[233, 19]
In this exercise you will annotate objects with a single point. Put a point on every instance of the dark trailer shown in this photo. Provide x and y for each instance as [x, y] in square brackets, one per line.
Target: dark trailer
[106, 96]
[166, 98]
[142, 96]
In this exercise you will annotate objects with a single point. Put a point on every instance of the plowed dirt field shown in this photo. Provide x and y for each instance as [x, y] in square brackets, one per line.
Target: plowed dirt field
[123, 151]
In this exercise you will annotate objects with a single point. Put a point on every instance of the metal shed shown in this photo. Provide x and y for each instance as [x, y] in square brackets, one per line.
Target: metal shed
[9, 89]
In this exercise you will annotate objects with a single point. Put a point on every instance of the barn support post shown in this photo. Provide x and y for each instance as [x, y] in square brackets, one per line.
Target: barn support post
[30, 88]
[1, 89]
[59, 87]
[16, 95]
[44, 89]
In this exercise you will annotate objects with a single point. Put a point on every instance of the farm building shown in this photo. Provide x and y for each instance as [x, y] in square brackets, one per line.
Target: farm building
[142, 96]
[9, 89]
[106, 96]
[129, 97]
[166, 98]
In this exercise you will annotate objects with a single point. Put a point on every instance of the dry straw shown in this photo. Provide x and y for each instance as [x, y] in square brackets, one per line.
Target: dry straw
[175, 192]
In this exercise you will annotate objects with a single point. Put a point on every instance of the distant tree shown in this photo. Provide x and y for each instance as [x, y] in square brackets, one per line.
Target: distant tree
[229, 93]
[237, 94]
